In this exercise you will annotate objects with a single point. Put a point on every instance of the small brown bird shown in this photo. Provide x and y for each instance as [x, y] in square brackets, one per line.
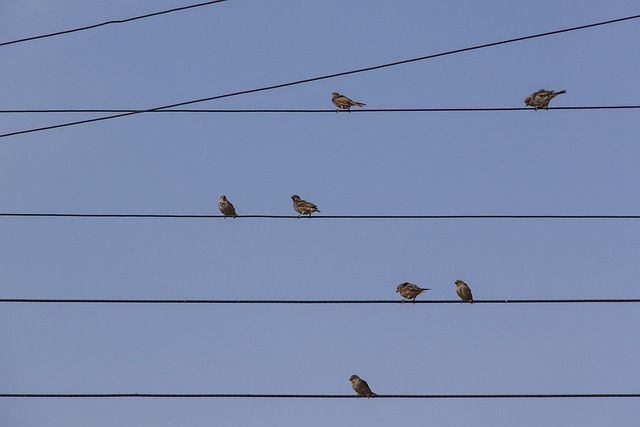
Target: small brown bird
[463, 291]
[541, 98]
[360, 386]
[410, 291]
[226, 207]
[344, 103]
[303, 207]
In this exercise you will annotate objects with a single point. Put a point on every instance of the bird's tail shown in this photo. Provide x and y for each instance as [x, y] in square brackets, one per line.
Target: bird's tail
[560, 92]
[359, 104]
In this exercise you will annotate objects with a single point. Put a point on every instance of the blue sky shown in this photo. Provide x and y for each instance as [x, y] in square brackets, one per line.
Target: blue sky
[521, 162]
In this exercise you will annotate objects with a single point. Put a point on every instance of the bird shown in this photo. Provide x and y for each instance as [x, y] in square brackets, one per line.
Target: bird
[303, 207]
[360, 386]
[463, 291]
[541, 98]
[226, 207]
[410, 291]
[343, 102]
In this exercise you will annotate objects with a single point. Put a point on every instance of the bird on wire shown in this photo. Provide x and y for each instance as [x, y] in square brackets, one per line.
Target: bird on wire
[344, 103]
[360, 386]
[410, 291]
[303, 207]
[464, 292]
[226, 208]
[541, 98]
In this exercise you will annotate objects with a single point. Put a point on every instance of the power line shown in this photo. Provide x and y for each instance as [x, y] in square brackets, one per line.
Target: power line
[371, 110]
[102, 24]
[321, 396]
[313, 79]
[307, 302]
[195, 216]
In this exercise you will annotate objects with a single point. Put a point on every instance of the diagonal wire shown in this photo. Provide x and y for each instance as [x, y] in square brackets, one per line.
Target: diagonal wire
[102, 24]
[313, 79]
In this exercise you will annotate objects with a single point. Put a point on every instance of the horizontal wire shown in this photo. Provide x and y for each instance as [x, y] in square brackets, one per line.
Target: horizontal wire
[321, 396]
[309, 302]
[194, 216]
[318, 78]
[368, 110]
[119, 21]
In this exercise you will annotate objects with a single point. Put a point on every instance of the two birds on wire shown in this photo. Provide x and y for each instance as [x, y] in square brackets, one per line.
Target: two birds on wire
[410, 291]
[301, 206]
[539, 99]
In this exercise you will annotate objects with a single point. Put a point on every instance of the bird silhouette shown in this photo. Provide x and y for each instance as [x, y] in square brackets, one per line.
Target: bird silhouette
[226, 207]
[360, 386]
[463, 291]
[541, 98]
[303, 207]
[343, 102]
[410, 291]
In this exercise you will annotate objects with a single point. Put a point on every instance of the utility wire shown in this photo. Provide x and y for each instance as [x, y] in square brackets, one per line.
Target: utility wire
[102, 24]
[193, 216]
[321, 396]
[371, 110]
[313, 79]
[306, 302]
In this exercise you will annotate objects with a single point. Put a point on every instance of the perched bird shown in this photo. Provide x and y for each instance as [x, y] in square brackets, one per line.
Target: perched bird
[463, 291]
[410, 291]
[226, 207]
[344, 103]
[303, 207]
[360, 386]
[541, 98]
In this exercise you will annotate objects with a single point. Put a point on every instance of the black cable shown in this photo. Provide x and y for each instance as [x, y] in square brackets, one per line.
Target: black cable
[322, 396]
[120, 21]
[194, 216]
[377, 110]
[307, 302]
[313, 79]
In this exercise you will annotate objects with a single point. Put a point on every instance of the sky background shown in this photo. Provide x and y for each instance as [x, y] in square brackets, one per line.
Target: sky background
[520, 162]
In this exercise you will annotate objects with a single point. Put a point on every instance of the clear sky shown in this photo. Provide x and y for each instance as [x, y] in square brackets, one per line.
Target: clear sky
[518, 162]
